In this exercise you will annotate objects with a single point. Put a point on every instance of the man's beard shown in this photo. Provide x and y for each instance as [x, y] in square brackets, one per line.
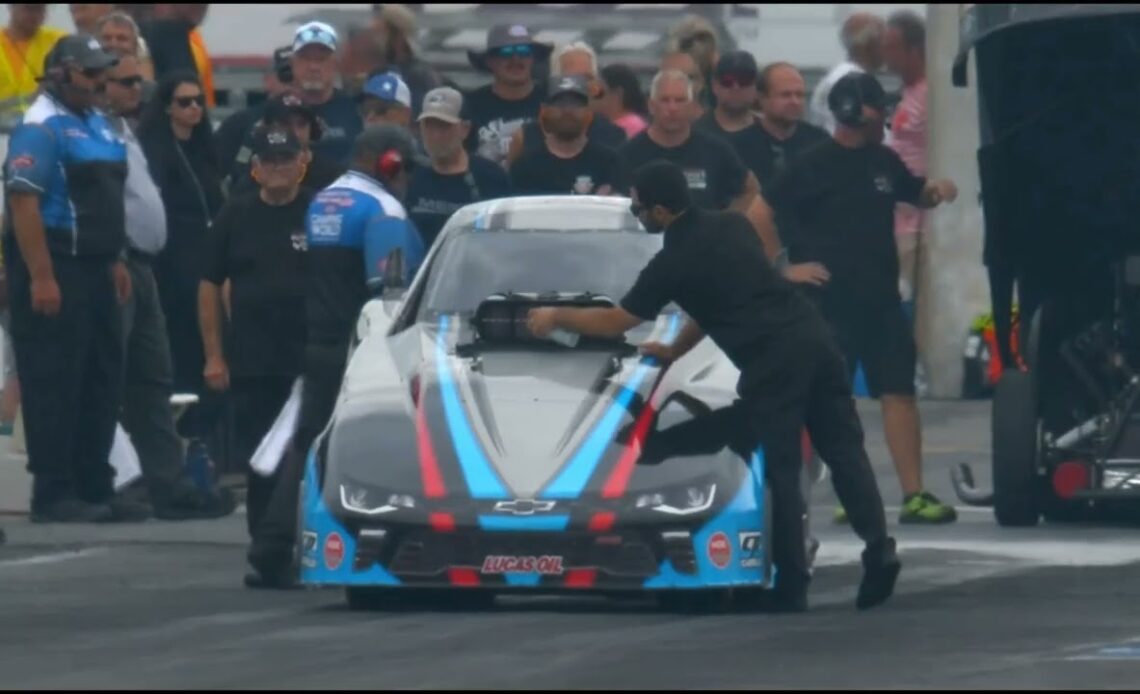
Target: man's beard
[737, 111]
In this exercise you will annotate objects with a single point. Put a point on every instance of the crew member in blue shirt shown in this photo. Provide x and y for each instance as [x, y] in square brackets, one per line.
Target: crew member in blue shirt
[64, 245]
[352, 227]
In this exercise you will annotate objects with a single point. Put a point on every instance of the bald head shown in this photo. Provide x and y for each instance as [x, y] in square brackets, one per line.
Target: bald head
[862, 36]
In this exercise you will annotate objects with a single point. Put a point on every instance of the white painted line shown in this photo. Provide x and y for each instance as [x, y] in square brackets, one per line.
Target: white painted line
[53, 558]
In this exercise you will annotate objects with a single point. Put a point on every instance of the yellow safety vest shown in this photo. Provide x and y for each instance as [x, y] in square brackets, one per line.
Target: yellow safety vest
[19, 71]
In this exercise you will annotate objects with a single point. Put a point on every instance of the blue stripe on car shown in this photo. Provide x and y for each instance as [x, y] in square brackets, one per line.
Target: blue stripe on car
[482, 480]
[524, 523]
[572, 480]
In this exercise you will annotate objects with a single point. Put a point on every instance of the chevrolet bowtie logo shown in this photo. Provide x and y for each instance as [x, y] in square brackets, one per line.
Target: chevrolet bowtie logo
[524, 507]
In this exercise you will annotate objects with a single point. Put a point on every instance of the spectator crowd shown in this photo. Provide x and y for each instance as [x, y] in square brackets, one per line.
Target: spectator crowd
[215, 214]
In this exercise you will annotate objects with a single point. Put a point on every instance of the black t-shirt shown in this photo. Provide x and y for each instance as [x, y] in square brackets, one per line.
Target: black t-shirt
[433, 197]
[775, 155]
[602, 131]
[341, 126]
[713, 266]
[539, 172]
[260, 248]
[748, 142]
[715, 173]
[842, 204]
[494, 121]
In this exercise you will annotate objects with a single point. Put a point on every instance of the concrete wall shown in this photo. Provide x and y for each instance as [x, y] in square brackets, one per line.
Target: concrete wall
[953, 287]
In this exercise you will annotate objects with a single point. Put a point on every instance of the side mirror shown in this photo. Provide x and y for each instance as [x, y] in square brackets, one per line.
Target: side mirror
[392, 281]
[394, 270]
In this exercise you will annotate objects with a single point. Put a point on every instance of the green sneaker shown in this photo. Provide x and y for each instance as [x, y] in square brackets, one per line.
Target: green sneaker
[926, 508]
[840, 517]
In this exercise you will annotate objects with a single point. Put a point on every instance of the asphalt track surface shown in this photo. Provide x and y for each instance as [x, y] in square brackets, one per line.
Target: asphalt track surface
[161, 604]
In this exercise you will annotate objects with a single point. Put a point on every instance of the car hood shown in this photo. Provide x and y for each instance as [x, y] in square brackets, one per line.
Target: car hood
[529, 423]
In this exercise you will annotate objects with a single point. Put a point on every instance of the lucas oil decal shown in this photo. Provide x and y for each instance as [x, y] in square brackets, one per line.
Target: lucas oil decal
[500, 564]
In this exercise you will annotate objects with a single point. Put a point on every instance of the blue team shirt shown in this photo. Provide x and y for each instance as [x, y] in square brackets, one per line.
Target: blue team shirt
[77, 165]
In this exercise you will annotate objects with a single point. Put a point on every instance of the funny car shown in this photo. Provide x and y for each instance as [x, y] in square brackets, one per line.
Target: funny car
[467, 457]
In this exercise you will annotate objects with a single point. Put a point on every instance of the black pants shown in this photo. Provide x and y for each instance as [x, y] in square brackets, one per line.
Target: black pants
[804, 383]
[147, 414]
[257, 400]
[272, 547]
[70, 378]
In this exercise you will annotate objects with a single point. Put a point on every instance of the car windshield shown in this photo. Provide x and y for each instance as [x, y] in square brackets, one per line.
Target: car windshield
[475, 265]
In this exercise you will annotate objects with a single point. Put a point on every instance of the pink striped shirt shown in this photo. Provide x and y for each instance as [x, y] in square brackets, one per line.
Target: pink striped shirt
[908, 140]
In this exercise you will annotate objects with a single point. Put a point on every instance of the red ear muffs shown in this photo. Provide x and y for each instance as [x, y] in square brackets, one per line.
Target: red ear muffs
[390, 163]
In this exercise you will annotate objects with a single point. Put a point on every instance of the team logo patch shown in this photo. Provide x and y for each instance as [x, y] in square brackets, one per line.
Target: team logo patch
[720, 550]
[751, 549]
[334, 551]
[883, 185]
[298, 239]
[309, 549]
[697, 179]
[24, 161]
[584, 185]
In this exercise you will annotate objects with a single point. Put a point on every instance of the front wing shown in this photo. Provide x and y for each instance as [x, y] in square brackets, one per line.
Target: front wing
[731, 549]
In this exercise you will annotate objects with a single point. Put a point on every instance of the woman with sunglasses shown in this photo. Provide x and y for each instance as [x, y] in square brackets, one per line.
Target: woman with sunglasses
[177, 139]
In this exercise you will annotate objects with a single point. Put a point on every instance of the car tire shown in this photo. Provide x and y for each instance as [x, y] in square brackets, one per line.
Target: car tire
[1014, 424]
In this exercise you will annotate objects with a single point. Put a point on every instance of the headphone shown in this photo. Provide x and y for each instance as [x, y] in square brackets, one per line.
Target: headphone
[849, 109]
[390, 163]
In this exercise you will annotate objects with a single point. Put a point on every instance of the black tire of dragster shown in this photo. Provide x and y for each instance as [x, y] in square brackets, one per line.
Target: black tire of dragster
[1017, 484]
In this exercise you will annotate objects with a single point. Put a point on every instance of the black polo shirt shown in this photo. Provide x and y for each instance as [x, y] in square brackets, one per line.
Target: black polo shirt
[841, 202]
[260, 248]
[713, 266]
[715, 173]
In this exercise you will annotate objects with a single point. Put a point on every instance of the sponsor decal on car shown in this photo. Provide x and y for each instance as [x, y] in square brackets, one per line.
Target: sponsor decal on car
[504, 564]
[751, 549]
[720, 550]
[334, 551]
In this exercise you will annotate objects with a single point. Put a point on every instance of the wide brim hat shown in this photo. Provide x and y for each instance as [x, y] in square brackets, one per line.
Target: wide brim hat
[504, 35]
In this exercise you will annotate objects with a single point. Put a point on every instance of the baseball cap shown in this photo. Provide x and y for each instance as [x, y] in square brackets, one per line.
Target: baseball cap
[274, 141]
[737, 63]
[569, 84]
[443, 103]
[388, 87]
[857, 87]
[315, 33]
[80, 51]
[278, 109]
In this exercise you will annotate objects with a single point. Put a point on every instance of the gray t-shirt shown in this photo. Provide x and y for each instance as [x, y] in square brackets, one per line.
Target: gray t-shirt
[146, 215]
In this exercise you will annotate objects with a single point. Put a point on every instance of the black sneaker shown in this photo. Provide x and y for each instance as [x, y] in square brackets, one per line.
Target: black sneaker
[71, 510]
[881, 567]
[125, 509]
[197, 505]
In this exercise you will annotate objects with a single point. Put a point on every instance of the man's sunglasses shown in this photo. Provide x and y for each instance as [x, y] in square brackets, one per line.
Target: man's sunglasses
[523, 50]
[127, 82]
[730, 80]
[187, 101]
